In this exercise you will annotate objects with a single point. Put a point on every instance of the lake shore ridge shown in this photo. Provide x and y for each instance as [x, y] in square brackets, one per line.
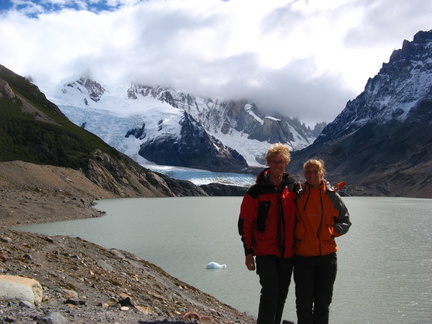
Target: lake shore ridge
[83, 282]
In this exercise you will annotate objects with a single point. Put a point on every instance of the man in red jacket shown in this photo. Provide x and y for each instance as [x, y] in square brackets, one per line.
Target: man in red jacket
[266, 225]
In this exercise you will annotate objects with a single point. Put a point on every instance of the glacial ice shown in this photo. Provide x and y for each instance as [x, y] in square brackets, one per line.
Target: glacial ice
[215, 265]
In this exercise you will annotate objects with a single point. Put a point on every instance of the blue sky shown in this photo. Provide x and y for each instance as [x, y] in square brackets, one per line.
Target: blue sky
[306, 58]
[33, 8]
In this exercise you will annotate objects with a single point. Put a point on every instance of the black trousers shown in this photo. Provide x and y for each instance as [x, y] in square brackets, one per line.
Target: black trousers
[275, 277]
[314, 279]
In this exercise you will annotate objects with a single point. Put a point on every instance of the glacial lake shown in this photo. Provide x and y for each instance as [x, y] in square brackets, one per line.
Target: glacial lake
[384, 261]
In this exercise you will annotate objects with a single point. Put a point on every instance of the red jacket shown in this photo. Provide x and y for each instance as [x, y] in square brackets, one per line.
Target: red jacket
[321, 216]
[267, 217]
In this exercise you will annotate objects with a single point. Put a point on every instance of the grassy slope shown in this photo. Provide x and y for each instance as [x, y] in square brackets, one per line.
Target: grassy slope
[29, 136]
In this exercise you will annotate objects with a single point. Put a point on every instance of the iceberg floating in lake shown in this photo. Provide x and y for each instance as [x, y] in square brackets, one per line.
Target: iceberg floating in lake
[215, 265]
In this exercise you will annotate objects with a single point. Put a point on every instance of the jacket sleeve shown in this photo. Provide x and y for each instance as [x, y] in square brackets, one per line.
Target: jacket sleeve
[247, 222]
[342, 223]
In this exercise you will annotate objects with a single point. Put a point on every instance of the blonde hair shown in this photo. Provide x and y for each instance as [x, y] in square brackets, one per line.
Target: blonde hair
[279, 149]
[319, 164]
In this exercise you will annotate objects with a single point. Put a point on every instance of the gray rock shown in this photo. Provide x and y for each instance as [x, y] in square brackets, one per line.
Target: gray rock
[104, 265]
[55, 318]
[21, 289]
[6, 239]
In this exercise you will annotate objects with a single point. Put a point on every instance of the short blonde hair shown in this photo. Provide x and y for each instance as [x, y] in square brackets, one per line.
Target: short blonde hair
[319, 164]
[279, 149]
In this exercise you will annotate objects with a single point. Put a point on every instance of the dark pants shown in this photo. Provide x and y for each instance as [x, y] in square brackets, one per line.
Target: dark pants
[275, 277]
[314, 279]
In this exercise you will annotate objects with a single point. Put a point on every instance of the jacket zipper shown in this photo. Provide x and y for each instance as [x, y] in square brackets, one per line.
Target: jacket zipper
[281, 227]
[321, 222]
[322, 217]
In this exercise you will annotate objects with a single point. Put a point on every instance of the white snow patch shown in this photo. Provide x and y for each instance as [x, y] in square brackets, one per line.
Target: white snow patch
[248, 109]
[272, 118]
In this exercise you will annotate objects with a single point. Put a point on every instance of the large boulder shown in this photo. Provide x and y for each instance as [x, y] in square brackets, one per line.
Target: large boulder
[21, 289]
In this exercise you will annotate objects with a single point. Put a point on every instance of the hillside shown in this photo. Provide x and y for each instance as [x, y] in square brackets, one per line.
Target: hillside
[33, 129]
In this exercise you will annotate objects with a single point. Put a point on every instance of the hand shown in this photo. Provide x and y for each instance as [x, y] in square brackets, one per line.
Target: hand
[250, 262]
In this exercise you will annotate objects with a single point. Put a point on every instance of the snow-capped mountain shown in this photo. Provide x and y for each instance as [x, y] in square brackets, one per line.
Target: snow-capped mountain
[166, 127]
[226, 117]
[393, 94]
[382, 140]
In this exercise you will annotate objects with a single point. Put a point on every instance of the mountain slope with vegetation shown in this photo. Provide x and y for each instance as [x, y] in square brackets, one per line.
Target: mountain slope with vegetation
[34, 130]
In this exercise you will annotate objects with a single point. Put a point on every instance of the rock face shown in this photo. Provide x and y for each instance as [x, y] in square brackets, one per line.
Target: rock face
[6, 91]
[86, 85]
[126, 178]
[218, 189]
[194, 148]
[381, 142]
[228, 116]
[400, 92]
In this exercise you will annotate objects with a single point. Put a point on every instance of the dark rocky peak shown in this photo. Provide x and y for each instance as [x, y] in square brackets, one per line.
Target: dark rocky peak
[401, 84]
[194, 148]
[138, 132]
[86, 85]
[381, 142]
[318, 128]
[164, 94]
[228, 116]
[414, 49]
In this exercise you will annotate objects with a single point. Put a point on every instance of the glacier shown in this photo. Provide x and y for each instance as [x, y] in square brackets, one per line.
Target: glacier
[113, 111]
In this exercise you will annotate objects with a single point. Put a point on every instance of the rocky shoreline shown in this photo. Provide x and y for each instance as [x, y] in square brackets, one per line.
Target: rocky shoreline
[81, 281]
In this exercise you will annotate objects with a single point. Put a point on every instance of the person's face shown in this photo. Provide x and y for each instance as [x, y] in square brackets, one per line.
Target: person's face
[277, 164]
[313, 176]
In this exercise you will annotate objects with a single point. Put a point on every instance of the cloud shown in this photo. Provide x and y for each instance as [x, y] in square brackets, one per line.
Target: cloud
[305, 58]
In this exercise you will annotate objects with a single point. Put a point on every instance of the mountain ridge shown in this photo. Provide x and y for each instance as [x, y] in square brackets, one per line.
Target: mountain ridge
[381, 143]
[236, 128]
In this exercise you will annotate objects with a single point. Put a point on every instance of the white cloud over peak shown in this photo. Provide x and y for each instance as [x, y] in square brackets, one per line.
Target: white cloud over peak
[306, 58]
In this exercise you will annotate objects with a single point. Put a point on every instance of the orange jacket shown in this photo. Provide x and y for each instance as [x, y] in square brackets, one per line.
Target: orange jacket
[267, 218]
[321, 216]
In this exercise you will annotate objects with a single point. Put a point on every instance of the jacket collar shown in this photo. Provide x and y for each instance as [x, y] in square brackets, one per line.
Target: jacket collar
[263, 178]
[326, 186]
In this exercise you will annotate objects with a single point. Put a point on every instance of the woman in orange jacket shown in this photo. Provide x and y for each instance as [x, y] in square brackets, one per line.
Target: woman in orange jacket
[321, 216]
[266, 225]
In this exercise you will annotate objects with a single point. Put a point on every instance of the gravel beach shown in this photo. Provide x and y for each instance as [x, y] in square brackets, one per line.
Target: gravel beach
[83, 282]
